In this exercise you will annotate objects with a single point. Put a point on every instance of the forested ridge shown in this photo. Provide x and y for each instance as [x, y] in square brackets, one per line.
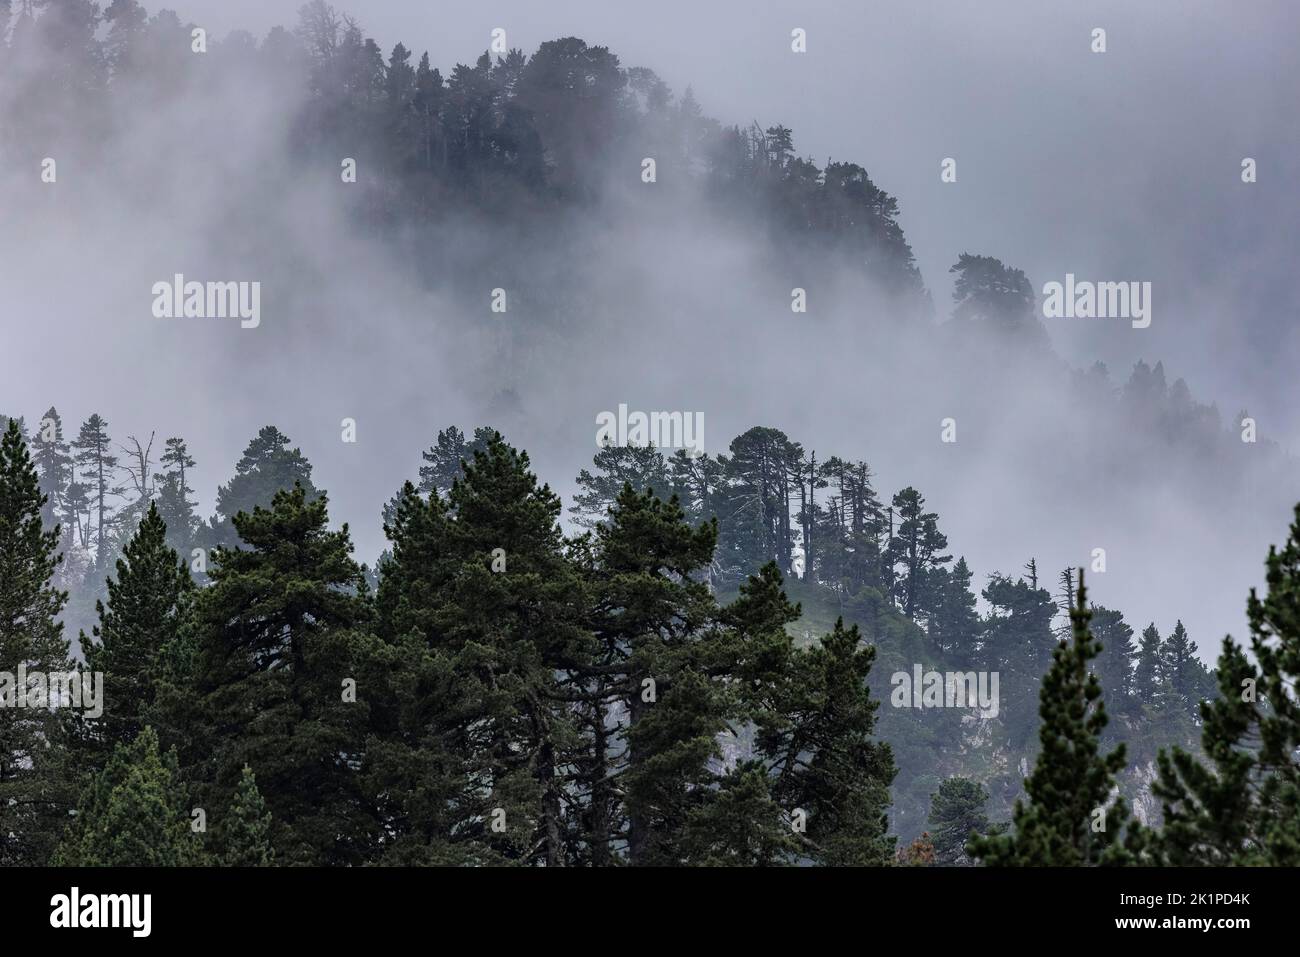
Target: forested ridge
[690, 662]
[496, 692]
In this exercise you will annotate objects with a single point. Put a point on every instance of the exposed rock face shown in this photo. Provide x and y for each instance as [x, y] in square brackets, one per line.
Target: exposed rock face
[1145, 806]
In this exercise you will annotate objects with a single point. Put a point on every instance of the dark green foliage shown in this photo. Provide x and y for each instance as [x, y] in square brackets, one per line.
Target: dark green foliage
[481, 607]
[954, 623]
[145, 607]
[53, 461]
[989, 292]
[958, 813]
[652, 623]
[841, 776]
[275, 640]
[913, 551]
[444, 461]
[740, 825]
[1182, 670]
[1148, 675]
[1069, 820]
[34, 782]
[755, 505]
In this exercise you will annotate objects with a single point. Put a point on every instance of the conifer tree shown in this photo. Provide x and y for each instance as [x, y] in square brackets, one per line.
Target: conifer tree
[247, 828]
[1114, 664]
[98, 470]
[267, 466]
[174, 504]
[479, 589]
[1209, 812]
[133, 813]
[34, 782]
[915, 549]
[277, 643]
[1240, 808]
[1068, 820]
[696, 481]
[420, 753]
[145, 607]
[1182, 669]
[832, 769]
[650, 621]
[756, 505]
[1148, 674]
[444, 460]
[957, 813]
[641, 466]
[954, 623]
[739, 825]
[1017, 642]
[53, 461]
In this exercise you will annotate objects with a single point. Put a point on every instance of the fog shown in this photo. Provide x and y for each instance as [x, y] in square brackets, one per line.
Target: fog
[1116, 166]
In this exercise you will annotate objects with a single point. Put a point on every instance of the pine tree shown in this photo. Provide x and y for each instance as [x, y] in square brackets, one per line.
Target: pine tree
[53, 461]
[650, 621]
[267, 466]
[756, 505]
[1114, 665]
[695, 480]
[482, 599]
[444, 461]
[144, 610]
[1210, 816]
[277, 644]
[247, 829]
[98, 470]
[1241, 808]
[1017, 642]
[1067, 821]
[641, 466]
[420, 754]
[813, 717]
[830, 767]
[739, 825]
[958, 813]
[133, 813]
[1148, 675]
[1182, 669]
[954, 622]
[174, 504]
[34, 795]
[915, 550]
[995, 295]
